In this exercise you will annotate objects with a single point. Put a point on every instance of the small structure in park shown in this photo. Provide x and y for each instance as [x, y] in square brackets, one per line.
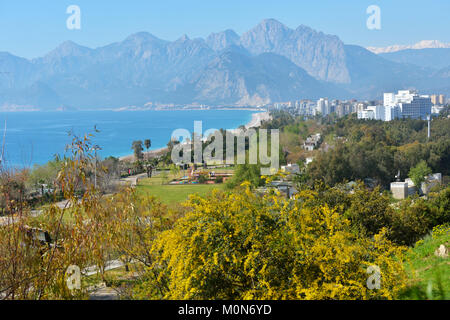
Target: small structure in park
[401, 190]
[201, 176]
[312, 142]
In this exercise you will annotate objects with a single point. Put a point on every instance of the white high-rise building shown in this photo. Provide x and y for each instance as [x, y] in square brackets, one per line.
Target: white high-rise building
[406, 104]
[405, 96]
[391, 112]
[402, 96]
[378, 111]
[389, 99]
[323, 106]
[372, 113]
[419, 107]
[366, 114]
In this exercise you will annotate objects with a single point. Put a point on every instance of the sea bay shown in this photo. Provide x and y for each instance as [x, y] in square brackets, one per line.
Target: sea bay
[35, 137]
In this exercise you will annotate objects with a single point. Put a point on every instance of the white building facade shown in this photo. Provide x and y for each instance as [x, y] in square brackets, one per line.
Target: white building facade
[372, 113]
[406, 104]
[323, 106]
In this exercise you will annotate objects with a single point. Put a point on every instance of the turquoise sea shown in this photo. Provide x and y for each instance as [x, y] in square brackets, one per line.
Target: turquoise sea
[35, 137]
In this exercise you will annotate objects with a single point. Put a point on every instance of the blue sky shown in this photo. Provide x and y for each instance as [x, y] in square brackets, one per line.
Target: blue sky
[33, 28]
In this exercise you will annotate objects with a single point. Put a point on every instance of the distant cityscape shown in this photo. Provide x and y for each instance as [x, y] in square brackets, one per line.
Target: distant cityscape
[403, 104]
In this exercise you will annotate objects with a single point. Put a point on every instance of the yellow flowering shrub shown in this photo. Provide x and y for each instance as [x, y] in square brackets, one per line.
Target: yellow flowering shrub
[440, 230]
[242, 246]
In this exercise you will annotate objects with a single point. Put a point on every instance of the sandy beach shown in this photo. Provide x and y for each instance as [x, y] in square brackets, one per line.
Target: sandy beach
[257, 118]
[256, 121]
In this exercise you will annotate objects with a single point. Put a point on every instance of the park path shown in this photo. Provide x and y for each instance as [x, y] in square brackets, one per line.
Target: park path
[131, 180]
[34, 213]
[110, 265]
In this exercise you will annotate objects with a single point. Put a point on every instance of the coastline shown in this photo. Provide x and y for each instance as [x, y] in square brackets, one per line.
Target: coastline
[147, 154]
[255, 121]
[22, 109]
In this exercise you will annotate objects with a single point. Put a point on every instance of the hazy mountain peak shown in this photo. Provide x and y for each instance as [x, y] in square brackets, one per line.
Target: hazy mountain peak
[268, 30]
[68, 44]
[6, 55]
[230, 33]
[424, 44]
[221, 40]
[271, 24]
[183, 38]
[141, 37]
[267, 36]
[303, 27]
[68, 48]
[321, 55]
[431, 44]
[270, 62]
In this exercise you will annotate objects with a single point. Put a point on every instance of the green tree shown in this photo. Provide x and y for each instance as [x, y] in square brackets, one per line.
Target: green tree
[246, 172]
[418, 173]
[369, 211]
[44, 175]
[138, 148]
[148, 144]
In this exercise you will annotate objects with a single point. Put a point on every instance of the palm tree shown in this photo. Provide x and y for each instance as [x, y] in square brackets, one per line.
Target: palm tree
[148, 144]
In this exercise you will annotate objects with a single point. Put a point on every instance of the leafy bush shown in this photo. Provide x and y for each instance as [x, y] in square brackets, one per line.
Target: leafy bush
[416, 217]
[418, 173]
[242, 246]
[411, 222]
[246, 172]
[202, 178]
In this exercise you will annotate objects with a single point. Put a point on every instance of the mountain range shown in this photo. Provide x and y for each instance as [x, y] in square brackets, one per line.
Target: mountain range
[269, 63]
[434, 58]
[424, 44]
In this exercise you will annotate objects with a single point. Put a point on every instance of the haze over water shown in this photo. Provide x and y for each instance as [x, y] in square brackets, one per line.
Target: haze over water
[35, 137]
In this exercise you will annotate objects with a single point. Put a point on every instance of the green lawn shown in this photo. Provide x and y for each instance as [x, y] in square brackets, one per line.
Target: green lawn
[173, 194]
[429, 274]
